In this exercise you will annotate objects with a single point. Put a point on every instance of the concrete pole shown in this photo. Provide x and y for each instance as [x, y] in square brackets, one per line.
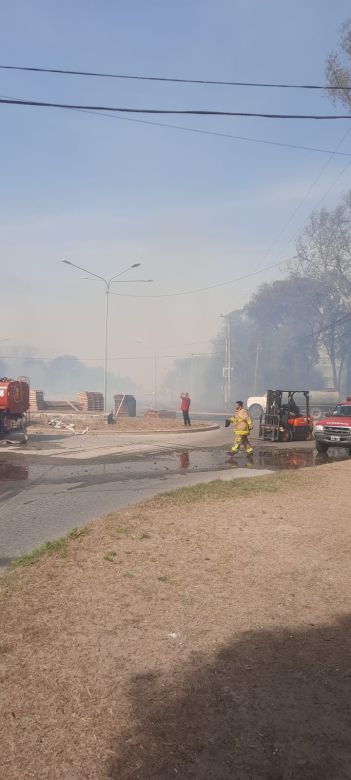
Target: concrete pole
[256, 368]
[155, 380]
[229, 368]
[107, 291]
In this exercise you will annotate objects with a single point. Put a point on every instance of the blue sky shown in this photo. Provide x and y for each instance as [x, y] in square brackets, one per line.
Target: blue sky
[194, 209]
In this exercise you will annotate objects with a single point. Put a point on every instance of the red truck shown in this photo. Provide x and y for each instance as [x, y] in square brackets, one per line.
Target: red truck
[335, 430]
[14, 403]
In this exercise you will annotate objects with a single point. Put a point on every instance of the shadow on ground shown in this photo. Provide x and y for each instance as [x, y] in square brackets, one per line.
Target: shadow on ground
[4, 562]
[270, 706]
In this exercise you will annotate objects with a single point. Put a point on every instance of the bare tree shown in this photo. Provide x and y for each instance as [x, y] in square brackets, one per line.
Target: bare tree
[324, 254]
[338, 68]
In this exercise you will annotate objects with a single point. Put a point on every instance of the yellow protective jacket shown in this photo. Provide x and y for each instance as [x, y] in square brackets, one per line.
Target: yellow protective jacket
[242, 423]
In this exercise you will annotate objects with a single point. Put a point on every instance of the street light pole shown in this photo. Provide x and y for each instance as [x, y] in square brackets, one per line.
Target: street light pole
[107, 283]
[107, 293]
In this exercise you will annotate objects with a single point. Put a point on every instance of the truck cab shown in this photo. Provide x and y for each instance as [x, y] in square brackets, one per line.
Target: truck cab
[335, 430]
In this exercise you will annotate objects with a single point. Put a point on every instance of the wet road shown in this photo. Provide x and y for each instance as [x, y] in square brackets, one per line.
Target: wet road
[41, 500]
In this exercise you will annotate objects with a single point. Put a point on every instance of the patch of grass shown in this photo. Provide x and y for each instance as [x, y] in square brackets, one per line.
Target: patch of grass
[144, 535]
[76, 533]
[122, 530]
[163, 578]
[128, 574]
[219, 490]
[110, 555]
[58, 546]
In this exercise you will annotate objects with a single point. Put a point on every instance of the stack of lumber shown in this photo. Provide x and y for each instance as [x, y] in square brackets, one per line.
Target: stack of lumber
[164, 413]
[125, 405]
[36, 401]
[90, 402]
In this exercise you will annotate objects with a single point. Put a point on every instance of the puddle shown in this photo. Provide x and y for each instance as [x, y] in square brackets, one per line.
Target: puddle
[162, 465]
[275, 459]
[295, 459]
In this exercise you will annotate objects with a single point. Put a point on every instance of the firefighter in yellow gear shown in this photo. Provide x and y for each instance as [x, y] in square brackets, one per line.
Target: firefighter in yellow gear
[242, 427]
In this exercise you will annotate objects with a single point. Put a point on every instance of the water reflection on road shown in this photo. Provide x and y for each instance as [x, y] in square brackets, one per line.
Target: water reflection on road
[162, 465]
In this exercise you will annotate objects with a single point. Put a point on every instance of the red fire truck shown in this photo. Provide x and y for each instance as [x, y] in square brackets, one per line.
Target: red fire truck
[335, 430]
[14, 403]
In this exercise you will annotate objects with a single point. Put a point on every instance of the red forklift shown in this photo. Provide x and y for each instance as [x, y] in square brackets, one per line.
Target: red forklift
[284, 419]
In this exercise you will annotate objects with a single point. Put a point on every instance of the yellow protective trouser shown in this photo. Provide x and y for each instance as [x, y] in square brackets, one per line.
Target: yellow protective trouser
[241, 437]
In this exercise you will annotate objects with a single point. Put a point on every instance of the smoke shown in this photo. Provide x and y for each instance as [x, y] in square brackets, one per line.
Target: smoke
[62, 377]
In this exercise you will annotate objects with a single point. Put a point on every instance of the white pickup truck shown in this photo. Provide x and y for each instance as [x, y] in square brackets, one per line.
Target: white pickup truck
[321, 402]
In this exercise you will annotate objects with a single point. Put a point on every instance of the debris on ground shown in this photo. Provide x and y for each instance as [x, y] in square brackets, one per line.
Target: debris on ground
[59, 425]
[23, 439]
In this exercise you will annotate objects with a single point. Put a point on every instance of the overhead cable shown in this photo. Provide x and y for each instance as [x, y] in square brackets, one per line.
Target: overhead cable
[217, 133]
[170, 111]
[170, 80]
[211, 286]
[201, 131]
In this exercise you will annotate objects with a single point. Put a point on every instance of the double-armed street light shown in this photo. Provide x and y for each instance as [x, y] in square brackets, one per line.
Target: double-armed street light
[107, 283]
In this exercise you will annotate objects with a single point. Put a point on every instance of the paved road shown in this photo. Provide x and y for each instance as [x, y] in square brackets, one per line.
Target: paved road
[46, 493]
[66, 447]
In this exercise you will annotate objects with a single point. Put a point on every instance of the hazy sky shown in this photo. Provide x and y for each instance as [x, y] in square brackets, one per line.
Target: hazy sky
[195, 210]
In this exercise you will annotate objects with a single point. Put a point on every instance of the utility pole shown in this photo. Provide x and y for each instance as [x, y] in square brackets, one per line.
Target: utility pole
[155, 380]
[256, 367]
[229, 366]
[192, 375]
[227, 371]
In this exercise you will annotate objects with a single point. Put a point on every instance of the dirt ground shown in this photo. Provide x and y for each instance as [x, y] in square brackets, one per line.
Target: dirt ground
[123, 425]
[203, 635]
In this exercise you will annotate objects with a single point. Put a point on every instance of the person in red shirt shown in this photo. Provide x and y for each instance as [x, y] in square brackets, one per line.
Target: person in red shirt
[185, 406]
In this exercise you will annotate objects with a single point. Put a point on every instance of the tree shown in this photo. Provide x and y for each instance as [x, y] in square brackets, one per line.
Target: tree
[324, 256]
[202, 375]
[338, 68]
[284, 315]
[61, 377]
[243, 350]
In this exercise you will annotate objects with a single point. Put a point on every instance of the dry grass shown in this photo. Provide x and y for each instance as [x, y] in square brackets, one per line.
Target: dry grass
[123, 425]
[194, 636]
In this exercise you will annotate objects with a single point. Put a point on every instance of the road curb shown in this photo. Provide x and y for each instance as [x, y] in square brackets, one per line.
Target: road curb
[166, 431]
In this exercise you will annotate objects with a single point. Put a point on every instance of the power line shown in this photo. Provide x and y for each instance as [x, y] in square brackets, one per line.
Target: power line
[322, 199]
[170, 111]
[171, 80]
[201, 131]
[211, 286]
[68, 358]
[308, 192]
[218, 134]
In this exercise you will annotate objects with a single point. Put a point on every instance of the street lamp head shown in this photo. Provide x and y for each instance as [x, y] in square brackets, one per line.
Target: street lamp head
[135, 265]
[68, 262]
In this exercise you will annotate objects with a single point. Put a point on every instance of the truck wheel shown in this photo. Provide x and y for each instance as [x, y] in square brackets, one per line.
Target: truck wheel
[255, 411]
[321, 446]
